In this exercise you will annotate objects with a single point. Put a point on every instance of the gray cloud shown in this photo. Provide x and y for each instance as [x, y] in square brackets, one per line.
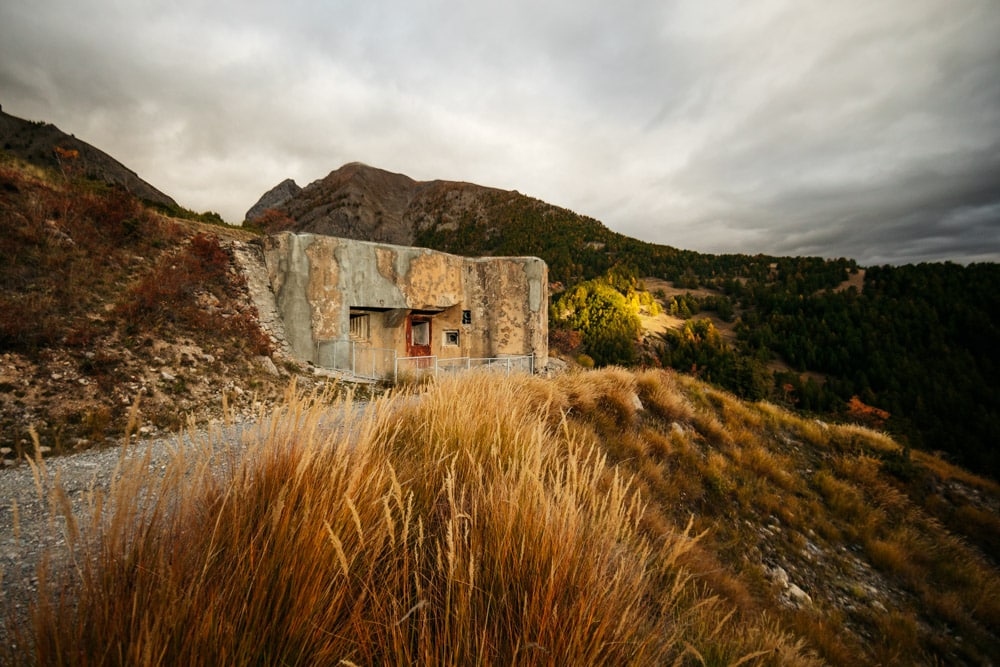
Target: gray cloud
[869, 130]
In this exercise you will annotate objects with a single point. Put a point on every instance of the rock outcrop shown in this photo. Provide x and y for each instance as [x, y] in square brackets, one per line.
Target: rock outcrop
[273, 198]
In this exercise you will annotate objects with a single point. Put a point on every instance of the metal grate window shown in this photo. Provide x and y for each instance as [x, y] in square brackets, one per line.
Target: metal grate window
[360, 326]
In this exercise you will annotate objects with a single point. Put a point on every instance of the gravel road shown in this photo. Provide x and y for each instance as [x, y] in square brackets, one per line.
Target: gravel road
[31, 522]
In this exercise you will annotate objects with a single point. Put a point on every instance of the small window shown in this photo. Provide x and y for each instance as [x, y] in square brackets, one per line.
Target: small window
[451, 338]
[421, 334]
[466, 317]
[360, 326]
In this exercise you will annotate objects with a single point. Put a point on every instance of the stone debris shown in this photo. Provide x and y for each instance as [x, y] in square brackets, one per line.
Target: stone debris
[268, 365]
[798, 596]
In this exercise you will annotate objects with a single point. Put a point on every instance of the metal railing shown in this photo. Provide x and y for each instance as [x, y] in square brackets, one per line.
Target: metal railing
[507, 365]
[415, 368]
[372, 363]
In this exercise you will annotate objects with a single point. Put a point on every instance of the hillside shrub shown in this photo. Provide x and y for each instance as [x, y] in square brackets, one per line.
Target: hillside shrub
[698, 348]
[607, 322]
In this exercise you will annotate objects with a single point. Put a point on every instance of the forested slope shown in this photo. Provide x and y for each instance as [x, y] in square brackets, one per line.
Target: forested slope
[921, 342]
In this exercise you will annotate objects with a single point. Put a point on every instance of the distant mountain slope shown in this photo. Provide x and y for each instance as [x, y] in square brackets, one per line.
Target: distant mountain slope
[362, 202]
[36, 142]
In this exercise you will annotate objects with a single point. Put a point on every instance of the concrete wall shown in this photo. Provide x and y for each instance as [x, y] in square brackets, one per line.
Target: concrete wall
[494, 306]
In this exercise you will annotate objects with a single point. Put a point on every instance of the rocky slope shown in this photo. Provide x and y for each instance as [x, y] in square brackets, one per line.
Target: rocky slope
[109, 304]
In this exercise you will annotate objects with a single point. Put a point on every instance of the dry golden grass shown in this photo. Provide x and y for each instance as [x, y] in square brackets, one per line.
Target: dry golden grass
[477, 524]
[604, 517]
[948, 471]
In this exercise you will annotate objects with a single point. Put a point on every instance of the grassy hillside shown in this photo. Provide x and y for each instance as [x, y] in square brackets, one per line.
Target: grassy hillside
[603, 517]
[46, 146]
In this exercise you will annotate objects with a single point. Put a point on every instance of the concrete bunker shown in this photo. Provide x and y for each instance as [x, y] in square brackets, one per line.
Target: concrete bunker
[347, 304]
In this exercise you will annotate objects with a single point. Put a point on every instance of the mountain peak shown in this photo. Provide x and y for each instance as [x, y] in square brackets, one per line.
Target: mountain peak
[361, 172]
[362, 202]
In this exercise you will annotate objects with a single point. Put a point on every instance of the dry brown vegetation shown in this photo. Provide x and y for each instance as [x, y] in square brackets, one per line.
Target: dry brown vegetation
[604, 517]
[99, 293]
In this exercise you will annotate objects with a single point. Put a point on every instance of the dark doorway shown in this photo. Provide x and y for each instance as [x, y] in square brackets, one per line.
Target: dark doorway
[418, 336]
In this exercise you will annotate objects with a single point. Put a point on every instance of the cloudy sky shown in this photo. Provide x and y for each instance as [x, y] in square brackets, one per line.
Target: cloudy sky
[849, 128]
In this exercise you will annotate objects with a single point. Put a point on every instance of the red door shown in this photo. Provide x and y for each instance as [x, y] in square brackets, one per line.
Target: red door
[418, 336]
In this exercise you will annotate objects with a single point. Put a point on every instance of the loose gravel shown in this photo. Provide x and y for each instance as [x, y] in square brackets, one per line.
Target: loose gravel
[32, 523]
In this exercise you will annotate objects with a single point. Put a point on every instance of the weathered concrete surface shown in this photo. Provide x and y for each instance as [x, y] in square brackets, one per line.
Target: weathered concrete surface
[481, 307]
[289, 276]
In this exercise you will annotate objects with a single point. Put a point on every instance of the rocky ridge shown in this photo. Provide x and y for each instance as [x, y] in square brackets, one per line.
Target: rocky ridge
[273, 198]
[361, 202]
